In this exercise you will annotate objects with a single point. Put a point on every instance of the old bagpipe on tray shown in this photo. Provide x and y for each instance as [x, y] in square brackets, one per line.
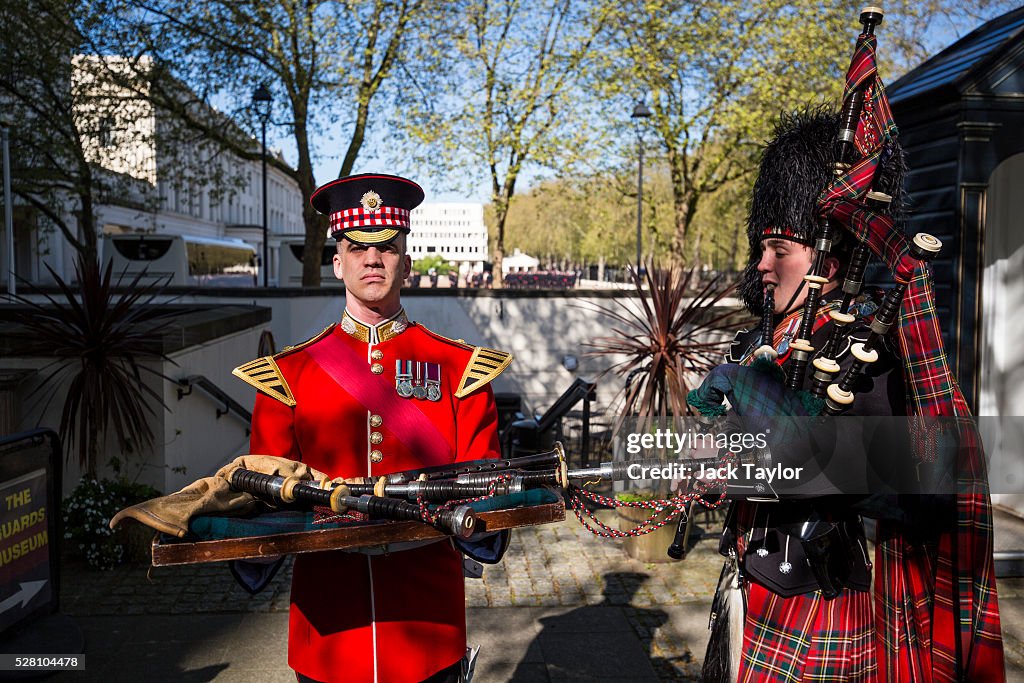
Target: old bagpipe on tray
[446, 497]
[457, 499]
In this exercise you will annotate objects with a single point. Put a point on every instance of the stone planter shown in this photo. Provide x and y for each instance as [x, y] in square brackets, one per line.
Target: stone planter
[650, 547]
[137, 540]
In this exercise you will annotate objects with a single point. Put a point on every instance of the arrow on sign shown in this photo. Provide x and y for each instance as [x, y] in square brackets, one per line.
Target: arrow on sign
[26, 592]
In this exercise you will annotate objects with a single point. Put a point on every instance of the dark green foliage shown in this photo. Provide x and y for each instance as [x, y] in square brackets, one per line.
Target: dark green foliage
[87, 512]
[669, 343]
[101, 342]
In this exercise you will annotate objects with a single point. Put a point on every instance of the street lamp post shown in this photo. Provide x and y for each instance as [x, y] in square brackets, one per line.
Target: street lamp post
[8, 208]
[640, 112]
[261, 101]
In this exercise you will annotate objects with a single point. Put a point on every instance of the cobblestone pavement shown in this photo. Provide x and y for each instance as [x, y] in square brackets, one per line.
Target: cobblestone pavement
[556, 565]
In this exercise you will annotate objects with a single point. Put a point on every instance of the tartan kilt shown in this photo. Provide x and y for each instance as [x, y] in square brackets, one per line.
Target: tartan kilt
[807, 638]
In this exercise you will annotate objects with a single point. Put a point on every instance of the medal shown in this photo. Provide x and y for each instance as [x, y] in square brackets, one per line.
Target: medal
[418, 390]
[787, 337]
[784, 346]
[434, 381]
[403, 380]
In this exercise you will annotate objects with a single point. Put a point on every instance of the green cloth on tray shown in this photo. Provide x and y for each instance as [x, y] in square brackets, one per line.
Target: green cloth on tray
[216, 527]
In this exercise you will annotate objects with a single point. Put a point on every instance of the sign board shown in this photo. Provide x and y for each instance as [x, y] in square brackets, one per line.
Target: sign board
[29, 527]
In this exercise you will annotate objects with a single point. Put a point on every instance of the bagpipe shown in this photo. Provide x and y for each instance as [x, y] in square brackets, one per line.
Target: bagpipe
[953, 631]
[858, 197]
[443, 496]
[302, 510]
[861, 90]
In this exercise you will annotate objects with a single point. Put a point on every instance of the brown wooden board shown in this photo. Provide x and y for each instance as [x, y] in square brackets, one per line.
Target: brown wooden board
[341, 538]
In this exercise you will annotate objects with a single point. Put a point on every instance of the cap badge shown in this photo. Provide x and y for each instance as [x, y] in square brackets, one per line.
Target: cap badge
[370, 201]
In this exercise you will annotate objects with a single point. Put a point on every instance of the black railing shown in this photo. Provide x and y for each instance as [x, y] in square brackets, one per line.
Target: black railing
[531, 435]
[266, 346]
[185, 385]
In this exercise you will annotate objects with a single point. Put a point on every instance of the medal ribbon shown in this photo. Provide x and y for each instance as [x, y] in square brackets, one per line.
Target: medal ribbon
[408, 423]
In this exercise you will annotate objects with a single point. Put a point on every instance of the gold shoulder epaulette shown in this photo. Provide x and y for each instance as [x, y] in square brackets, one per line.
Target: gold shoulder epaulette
[301, 345]
[484, 366]
[264, 374]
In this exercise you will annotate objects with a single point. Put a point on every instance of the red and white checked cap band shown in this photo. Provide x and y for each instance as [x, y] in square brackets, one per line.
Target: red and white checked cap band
[383, 217]
[372, 208]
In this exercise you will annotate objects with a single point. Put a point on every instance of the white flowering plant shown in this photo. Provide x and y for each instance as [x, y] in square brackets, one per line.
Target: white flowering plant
[87, 512]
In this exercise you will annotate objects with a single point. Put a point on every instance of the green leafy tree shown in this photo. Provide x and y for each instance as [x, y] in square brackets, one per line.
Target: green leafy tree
[48, 155]
[312, 55]
[61, 124]
[503, 96]
[711, 72]
[428, 263]
[85, 129]
[716, 74]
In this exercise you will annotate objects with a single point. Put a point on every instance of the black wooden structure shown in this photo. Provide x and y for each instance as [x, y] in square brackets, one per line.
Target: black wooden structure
[960, 115]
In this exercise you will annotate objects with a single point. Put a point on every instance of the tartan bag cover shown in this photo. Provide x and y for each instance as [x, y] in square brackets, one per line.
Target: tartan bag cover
[804, 638]
[936, 608]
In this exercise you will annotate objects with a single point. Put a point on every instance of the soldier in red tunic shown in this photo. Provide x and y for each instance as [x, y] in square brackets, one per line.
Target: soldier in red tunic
[371, 395]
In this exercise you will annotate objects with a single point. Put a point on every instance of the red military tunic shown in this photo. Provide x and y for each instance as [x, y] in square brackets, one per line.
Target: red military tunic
[388, 617]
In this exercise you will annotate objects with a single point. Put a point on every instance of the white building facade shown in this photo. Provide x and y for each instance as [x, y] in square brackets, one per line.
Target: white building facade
[198, 190]
[453, 231]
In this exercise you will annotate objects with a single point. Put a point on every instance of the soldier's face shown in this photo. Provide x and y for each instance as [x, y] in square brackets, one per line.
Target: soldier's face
[783, 264]
[373, 274]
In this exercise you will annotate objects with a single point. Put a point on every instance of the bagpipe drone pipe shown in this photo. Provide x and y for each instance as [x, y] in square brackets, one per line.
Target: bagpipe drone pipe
[444, 496]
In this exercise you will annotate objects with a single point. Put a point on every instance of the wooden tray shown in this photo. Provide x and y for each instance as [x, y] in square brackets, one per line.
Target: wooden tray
[340, 538]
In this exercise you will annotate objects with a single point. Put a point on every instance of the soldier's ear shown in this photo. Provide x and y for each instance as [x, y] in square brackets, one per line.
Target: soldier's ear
[337, 266]
[406, 266]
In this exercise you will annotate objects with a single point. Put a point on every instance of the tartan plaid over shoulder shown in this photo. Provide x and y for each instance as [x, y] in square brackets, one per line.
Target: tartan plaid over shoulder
[936, 607]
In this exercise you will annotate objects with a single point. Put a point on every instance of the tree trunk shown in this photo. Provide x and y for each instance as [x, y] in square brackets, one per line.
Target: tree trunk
[500, 215]
[91, 450]
[499, 256]
[696, 261]
[87, 224]
[682, 204]
[315, 224]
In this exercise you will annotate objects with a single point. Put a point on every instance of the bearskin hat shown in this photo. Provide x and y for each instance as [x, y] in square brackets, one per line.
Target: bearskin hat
[796, 166]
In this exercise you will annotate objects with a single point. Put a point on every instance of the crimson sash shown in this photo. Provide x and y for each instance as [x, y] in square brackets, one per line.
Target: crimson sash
[408, 423]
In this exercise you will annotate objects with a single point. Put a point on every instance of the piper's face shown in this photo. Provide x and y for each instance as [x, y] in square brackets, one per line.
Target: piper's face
[783, 264]
[373, 275]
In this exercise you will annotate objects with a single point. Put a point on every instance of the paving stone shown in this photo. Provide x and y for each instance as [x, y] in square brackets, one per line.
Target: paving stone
[559, 570]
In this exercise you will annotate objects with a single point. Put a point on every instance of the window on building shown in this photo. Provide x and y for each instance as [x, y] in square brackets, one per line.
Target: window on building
[106, 132]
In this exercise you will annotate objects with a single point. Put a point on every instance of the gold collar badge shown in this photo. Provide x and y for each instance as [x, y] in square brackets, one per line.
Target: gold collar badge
[370, 201]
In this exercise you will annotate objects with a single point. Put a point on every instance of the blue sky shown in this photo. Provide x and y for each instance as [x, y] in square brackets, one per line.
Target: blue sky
[329, 147]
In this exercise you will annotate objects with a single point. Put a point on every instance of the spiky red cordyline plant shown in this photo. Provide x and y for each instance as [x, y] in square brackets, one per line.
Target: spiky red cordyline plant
[99, 343]
[668, 342]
